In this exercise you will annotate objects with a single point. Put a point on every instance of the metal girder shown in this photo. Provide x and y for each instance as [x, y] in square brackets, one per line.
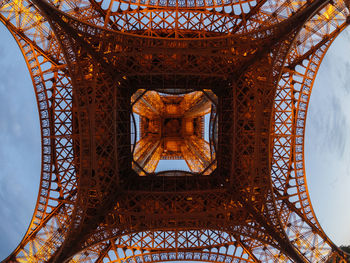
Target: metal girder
[87, 58]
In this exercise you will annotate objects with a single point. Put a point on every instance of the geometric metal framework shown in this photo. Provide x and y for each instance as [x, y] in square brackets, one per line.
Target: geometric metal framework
[87, 58]
[172, 127]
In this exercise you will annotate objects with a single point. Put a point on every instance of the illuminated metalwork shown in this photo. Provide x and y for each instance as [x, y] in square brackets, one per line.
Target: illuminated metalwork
[88, 58]
[172, 127]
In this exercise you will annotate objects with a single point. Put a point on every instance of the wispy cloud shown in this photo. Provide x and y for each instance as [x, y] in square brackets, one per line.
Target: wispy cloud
[19, 146]
[327, 141]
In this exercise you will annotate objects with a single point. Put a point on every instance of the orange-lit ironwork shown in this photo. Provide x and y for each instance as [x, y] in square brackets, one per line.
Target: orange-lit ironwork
[249, 64]
[172, 127]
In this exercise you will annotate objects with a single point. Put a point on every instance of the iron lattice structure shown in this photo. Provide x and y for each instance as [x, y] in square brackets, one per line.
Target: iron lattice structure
[87, 58]
[172, 128]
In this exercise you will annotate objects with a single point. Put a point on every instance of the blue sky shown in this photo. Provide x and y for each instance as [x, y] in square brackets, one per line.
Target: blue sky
[327, 144]
[20, 150]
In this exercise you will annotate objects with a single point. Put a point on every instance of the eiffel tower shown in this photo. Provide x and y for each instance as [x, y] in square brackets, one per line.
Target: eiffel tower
[223, 85]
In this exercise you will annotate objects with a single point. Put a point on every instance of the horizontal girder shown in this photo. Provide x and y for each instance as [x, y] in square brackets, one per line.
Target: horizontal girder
[146, 62]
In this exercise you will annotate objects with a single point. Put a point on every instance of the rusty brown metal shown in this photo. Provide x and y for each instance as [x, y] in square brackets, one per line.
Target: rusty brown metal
[171, 127]
[250, 65]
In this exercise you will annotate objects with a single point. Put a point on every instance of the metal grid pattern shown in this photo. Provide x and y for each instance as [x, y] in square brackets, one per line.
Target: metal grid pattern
[266, 54]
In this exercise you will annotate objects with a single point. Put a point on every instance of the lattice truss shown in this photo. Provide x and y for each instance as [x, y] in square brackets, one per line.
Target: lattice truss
[86, 58]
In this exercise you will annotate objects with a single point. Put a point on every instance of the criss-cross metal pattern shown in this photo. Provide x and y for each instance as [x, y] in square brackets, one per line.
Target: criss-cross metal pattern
[87, 58]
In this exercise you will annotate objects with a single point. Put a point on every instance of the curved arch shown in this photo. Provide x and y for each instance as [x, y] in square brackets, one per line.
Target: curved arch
[290, 115]
[223, 247]
[186, 256]
[51, 86]
[149, 246]
[58, 183]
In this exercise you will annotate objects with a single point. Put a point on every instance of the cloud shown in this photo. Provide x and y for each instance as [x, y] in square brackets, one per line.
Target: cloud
[346, 78]
[336, 128]
[20, 145]
[327, 125]
[14, 216]
[327, 146]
